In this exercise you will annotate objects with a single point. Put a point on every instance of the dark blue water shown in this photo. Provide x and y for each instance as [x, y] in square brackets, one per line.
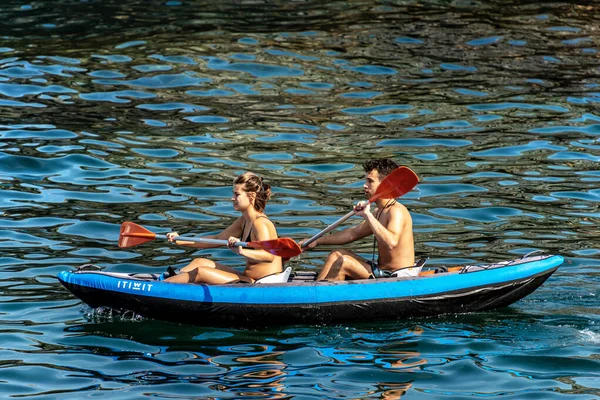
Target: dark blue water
[145, 111]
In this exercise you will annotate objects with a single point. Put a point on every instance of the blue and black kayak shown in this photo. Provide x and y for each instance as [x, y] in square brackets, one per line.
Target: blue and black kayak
[302, 300]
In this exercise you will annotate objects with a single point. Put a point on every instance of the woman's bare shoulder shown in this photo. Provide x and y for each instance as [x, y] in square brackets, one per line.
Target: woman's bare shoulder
[262, 221]
[264, 224]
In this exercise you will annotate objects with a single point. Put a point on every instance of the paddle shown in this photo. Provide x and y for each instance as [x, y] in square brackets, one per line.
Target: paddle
[399, 182]
[133, 234]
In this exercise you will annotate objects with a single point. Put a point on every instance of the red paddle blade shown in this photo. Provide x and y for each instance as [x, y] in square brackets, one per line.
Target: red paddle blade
[133, 234]
[399, 182]
[282, 247]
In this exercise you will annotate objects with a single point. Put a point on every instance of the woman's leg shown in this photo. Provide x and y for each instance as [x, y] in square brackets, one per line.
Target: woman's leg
[217, 276]
[203, 270]
[206, 263]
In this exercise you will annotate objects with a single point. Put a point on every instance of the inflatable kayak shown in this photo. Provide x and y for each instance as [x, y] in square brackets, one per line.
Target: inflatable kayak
[302, 300]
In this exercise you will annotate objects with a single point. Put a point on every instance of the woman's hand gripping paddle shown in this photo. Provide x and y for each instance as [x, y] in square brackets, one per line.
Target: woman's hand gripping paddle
[399, 182]
[134, 234]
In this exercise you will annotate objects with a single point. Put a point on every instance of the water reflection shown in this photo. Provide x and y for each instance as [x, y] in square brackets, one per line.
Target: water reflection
[264, 375]
[393, 391]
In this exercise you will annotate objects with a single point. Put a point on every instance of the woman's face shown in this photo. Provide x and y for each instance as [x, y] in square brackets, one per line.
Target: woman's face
[241, 199]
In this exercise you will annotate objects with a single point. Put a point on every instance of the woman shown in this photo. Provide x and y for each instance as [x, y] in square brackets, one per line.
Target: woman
[250, 196]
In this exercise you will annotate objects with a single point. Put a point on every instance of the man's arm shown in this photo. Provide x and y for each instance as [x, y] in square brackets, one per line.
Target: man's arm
[348, 235]
[390, 234]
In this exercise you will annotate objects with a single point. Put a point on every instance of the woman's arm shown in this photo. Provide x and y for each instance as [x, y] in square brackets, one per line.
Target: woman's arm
[235, 230]
[265, 230]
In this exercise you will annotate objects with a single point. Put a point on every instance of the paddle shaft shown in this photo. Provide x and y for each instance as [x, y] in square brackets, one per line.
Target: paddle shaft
[219, 242]
[339, 221]
[329, 228]
[344, 218]
[399, 182]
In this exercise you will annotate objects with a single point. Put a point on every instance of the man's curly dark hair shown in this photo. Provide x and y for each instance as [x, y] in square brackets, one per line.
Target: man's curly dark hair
[384, 166]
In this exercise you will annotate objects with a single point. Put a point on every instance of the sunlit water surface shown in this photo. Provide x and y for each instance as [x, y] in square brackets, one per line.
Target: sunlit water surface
[145, 111]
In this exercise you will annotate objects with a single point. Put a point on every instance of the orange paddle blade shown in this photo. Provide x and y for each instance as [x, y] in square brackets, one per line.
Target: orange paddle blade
[132, 234]
[399, 182]
[283, 247]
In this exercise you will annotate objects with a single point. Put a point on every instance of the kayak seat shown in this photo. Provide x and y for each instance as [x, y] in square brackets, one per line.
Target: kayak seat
[88, 267]
[414, 270]
[440, 270]
[305, 276]
[280, 277]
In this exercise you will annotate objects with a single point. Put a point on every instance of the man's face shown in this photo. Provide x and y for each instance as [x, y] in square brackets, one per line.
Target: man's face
[371, 183]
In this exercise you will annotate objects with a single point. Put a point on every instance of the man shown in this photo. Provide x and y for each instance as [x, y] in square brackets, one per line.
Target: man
[390, 223]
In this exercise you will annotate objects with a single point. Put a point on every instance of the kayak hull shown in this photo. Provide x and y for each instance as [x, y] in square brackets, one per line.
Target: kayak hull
[307, 302]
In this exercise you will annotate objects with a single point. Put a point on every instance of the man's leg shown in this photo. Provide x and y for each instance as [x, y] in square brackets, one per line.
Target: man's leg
[343, 264]
[353, 268]
[332, 259]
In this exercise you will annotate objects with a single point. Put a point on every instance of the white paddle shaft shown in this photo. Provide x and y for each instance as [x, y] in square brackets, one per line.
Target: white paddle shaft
[204, 240]
[329, 228]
